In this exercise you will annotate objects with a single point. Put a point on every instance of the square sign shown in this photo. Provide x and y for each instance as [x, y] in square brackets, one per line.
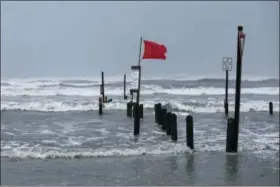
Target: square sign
[133, 76]
[227, 64]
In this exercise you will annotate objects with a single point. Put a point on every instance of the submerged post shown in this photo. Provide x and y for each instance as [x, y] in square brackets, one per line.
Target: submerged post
[232, 139]
[136, 120]
[100, 106]
[168, 123]
[240, 48]
[163, 119]
[189, 131]
[141, 108]
[174, 128]
[160, 115]
[124, 87]
[155, 112]
[227, 66]
[270, 108]
[134, 109]
[128, 109]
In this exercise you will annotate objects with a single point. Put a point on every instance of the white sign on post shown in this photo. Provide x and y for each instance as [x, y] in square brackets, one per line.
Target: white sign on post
[227, 64]
[133, 80]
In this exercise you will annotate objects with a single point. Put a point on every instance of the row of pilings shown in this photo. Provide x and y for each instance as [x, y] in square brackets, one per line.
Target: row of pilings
[167, 121]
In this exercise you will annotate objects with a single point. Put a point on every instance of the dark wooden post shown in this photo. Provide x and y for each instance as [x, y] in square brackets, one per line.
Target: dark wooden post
[270, 108]
[124, 87]
[141, 110]
[155, 111]
[129, 109]
[134, 109]
[168, 123]
[136, 120]
[174, 128]
[232, 130]
[189, 131]
[100, 106]
[158, 113]
[238, 85]
[163, 119]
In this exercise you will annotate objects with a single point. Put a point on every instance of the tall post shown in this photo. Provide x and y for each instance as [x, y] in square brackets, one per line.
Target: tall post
[238, 85]
[137, 117]
[139, 74]
[103, 89]
[227, 66]
[124, 87]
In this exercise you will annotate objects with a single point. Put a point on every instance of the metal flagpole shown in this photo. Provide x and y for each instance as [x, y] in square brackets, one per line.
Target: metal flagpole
[139, 72]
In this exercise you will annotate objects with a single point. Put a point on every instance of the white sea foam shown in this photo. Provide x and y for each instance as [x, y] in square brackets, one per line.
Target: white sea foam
[60, 144]
[263, 148]
[84, 153]
[204, 106]
[146, 90]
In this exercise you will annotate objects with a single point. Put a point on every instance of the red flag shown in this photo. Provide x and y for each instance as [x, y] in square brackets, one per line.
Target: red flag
[153, 50]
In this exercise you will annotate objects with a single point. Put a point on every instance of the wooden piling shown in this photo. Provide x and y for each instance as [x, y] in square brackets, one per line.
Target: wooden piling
[226, 108]
[168, 123]
[141, 110]
[155, 111]
[174, 128]
[129, 109]
[136, 120]
[163, 116]
[189, 131]
[270, 108]
[232, 141]
[159, 113]
[160, 120]
[100, 106]
[134, 109]
[238, 87]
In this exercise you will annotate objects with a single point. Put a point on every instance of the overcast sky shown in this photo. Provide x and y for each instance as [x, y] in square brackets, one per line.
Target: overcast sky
[65, 39]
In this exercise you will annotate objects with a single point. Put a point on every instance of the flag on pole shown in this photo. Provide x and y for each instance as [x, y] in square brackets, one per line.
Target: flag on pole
[153, 50]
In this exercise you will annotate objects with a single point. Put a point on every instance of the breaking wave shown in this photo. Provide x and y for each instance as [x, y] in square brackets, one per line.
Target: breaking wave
[210, 106]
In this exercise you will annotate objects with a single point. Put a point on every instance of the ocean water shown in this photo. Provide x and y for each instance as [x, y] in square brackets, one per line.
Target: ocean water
[51, 133]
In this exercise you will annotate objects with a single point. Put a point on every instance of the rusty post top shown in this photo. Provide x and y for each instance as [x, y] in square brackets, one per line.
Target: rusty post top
[240, 28]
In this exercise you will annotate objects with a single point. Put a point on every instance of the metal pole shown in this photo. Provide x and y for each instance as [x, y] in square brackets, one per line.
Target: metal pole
[137, 118]
[226, 94]
[139, 75]
[226, 86]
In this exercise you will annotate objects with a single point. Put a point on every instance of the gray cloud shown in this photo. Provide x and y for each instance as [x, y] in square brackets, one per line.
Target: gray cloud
[82, 38]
